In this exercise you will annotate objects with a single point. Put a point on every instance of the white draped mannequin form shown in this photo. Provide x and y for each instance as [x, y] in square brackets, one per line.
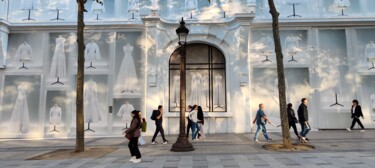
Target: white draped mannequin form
[92, 53]
[24, 54]
[58, 65]
[370, 54]
[276, 91]
[267, 47]
[91, 104]
[19, 122]
[124, 112]
[55, 116]
[190, 6]
[127, 80]
[292, 46]
[219, 95]
[196, 91]
[133, 7]
[334, 78]
[372, 101]
[206, 91]
[97, 8]
[176, 91]
[342, 5]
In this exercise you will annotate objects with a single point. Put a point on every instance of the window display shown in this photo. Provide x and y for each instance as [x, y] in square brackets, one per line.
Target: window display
[92, 52]
[19, 122]
[91, 104]
[55, 117]
[125, 113]
[127, 80]
[24, 54]
[370, 53]
[58, 65]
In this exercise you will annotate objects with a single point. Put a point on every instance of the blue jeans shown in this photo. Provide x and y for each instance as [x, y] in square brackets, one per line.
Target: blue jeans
[264, 130]
[305, 127]
[194, 130]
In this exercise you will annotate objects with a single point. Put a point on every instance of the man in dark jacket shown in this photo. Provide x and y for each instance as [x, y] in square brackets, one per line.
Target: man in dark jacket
[303, 117]
[159, 126]
[356, 112]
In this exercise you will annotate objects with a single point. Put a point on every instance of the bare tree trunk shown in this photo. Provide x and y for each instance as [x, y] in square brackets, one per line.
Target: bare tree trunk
[80, 133]
[281, 75]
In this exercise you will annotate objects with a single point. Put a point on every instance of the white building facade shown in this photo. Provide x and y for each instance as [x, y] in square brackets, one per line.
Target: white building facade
[132, 63]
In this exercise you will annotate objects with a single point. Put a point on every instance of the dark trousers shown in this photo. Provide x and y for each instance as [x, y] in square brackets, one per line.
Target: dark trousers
[133, 147]
[159, 128]
[188, 128]
[358, 121]
[293, 125]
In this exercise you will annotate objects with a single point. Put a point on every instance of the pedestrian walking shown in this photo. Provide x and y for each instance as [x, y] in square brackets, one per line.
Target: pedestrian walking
[303, 117]
[157, 115]
[261, 119]
[356, 112]
[292, 119]
[188, 127]
[133, 133]
[193, 116]
[200, 116]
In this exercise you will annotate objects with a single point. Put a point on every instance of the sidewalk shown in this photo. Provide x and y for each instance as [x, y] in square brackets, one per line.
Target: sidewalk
[333, 149]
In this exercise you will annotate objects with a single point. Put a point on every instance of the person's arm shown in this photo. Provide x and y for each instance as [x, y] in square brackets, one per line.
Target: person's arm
[160, 115]
[266, 119]
[254, 120]
[360, 112]
[306, 114]
[132, 127]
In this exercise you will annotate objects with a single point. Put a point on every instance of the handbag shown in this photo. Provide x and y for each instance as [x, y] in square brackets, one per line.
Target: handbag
[129, 136]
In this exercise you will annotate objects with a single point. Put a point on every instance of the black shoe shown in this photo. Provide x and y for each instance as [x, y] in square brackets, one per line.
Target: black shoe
[307, 139]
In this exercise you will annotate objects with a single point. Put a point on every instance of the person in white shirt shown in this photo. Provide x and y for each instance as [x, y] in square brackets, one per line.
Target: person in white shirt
[193, 116]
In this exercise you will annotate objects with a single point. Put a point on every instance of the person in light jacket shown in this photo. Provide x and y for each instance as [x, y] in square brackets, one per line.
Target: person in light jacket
[193, 116]
[134, 130]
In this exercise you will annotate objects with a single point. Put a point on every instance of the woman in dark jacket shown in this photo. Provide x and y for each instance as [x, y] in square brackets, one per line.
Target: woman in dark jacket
[200, 117]
[292, 119]
[135, 133]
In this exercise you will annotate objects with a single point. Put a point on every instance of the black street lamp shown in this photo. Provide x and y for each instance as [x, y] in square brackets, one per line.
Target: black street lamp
[182, 144]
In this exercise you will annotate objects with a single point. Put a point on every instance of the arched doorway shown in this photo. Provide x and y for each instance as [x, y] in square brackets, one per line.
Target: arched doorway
[205, 78]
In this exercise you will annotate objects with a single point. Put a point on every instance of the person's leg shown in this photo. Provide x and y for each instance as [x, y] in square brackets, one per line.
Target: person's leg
[156, 133]
[353, 123]
[294, 128]
[303, 130]
[137, 153]
[264, 130]
[360, 123]
[197, 131]
[161, 129]
[257, 132]
[188, 129]
[308, 128]
[193, 129]
[130, 146]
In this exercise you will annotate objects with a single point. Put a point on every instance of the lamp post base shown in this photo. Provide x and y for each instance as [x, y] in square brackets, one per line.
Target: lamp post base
[182, 144]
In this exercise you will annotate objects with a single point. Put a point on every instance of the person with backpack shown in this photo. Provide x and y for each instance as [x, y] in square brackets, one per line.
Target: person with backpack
[133, 133]
[356, 112]
[157, 115]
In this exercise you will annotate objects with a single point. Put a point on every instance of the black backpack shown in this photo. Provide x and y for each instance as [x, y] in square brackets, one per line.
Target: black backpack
[154, 114]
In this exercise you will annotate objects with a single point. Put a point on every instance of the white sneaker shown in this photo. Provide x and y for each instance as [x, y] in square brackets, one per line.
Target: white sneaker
[133, 158]
[348, 129]
[303, 140]
[165, 142]
[256, 140]
[362, 131]
[154, 143]
[137, 160]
